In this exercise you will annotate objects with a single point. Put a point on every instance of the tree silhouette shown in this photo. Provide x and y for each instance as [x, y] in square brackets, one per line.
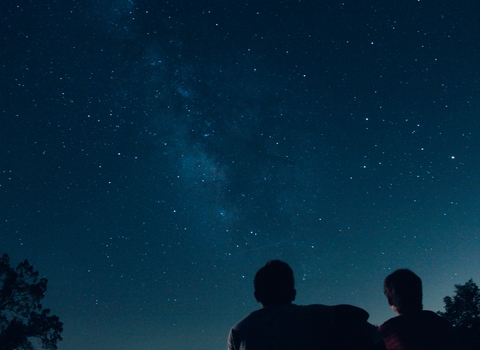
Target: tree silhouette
[21, 314]
[463, 312]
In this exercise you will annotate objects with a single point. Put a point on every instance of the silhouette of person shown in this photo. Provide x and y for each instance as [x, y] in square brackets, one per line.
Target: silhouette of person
[282, 325]
[414, 328]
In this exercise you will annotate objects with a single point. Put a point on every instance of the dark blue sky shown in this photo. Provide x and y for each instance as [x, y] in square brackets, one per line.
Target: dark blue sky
[155, 154]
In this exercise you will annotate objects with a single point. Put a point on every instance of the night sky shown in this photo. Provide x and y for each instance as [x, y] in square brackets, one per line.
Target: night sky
[155, 154]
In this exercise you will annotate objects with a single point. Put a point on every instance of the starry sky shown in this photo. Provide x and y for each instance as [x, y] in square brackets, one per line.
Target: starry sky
[155, 154]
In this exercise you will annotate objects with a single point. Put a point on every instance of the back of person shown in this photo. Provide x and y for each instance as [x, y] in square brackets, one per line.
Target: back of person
[414, 328]
[419, 331]
[308, 327]
[282, 325]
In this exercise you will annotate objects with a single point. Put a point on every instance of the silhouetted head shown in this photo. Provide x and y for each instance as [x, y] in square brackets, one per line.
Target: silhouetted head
[403, 290]
[274, 284]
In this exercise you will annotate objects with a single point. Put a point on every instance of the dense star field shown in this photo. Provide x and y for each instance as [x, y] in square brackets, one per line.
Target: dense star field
[155, 154]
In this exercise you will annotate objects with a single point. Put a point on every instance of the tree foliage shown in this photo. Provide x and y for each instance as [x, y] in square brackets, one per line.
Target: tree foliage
[22, 316]
[463, 312]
